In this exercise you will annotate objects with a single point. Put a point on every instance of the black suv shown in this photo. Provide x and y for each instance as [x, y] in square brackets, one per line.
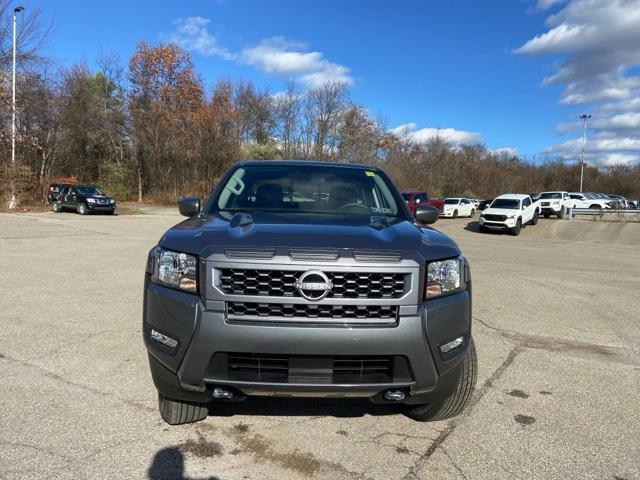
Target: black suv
[308, 279]
[83, 199]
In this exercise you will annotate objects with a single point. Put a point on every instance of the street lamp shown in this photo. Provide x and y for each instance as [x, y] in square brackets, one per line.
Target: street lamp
[12, 202]
[584, 117]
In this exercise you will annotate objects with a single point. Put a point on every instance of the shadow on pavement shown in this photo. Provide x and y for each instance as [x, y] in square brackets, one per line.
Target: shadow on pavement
[300, 407]
[475, 228]
[168, 464]
[472, 227]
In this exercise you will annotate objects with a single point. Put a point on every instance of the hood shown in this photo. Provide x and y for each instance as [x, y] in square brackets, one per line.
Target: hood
[205, 236]
[97, 197]
[500, 211]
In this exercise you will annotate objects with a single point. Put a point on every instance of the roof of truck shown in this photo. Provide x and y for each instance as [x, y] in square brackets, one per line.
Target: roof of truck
[315, 163]
[513, 196]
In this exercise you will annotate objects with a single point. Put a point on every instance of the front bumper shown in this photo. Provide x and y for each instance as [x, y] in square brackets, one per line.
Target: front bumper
[99, 207]
[498, 225]
[188, 372]
[551, 208]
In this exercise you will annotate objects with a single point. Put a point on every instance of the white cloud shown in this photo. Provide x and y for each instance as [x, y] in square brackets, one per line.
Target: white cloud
[409, 132]
[596, 48]
[557, 39]
[598, 40]
[596, 145]
[192, 34]
[546, 4]
[291, 60]
[505, 152]
[274, 56]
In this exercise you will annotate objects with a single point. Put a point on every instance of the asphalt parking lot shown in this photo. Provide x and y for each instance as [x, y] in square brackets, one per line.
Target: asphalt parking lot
[557, 328]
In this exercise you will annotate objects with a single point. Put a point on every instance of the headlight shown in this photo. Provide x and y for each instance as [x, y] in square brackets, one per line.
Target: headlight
[112, 201]
[511, 216]
[444, 277]
[176, 270]
[91, 200]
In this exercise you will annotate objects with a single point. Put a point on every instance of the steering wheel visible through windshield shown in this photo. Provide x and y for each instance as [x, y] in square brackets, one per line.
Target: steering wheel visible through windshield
[307, 189]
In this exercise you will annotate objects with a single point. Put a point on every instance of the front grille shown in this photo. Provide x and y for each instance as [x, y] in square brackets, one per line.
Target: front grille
[281, 283]
[261, 367]
[495, 218]
[322, 313]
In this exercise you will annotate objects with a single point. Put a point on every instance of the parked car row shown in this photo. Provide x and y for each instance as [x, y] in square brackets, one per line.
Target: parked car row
[512, 212]
[83, 199]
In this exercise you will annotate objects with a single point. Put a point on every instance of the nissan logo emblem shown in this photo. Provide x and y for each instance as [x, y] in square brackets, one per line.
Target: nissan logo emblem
[314, 285]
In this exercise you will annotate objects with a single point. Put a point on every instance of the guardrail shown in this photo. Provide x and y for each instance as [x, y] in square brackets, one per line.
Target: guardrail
[602, 212]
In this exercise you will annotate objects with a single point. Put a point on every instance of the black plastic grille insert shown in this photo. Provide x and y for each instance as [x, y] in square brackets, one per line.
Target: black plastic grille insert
[308, 369]
[495, 218]
[360, 313]
[281, 283]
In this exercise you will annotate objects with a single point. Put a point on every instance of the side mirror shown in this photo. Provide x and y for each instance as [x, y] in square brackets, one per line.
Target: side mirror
[189, 206]
[426, 214]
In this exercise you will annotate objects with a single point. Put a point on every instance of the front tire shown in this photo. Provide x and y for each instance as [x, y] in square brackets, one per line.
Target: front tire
[473, 213]
[561, 213]
[598, 208]
[459, 398]
[515, 231]
[534, 220]
[56, 207]
[176, 412]
[455, 214]
[81, 208]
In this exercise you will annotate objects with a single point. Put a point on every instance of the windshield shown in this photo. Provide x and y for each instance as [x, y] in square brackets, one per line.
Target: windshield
[548, 195]
[89, 191]
[451, 201]
[505, 203]
[307, 189]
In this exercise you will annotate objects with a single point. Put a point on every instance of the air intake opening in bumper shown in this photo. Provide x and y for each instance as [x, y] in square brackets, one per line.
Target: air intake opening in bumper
[300, 369]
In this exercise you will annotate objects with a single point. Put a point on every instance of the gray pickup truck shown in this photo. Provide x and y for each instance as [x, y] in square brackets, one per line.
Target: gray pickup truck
[308, 279]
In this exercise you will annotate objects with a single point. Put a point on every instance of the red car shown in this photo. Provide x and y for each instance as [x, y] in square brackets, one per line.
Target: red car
[414, 199]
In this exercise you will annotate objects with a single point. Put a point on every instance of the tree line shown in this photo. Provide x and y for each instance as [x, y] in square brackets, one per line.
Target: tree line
[151, 129]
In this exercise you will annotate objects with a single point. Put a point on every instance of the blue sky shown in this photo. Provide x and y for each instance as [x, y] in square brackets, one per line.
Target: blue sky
[422, 65]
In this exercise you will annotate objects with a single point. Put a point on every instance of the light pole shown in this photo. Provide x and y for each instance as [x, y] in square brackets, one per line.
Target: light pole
[12, 202]
[584, 117]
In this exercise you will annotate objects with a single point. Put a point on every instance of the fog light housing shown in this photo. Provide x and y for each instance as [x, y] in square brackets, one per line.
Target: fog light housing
[163, 339]
[452, 345]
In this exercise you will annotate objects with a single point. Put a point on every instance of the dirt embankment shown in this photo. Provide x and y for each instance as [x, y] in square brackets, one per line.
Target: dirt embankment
[579, 230]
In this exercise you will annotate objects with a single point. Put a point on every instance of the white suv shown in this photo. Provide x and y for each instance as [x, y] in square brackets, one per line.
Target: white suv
[510, 212]
[584, 200]
[458, 207]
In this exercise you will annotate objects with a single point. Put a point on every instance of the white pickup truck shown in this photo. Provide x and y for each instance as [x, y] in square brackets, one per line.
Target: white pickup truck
[555, 203]
[510, 212]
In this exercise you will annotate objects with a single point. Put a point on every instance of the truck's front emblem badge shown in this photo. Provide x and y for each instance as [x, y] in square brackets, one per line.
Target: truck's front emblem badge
[314, 285]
